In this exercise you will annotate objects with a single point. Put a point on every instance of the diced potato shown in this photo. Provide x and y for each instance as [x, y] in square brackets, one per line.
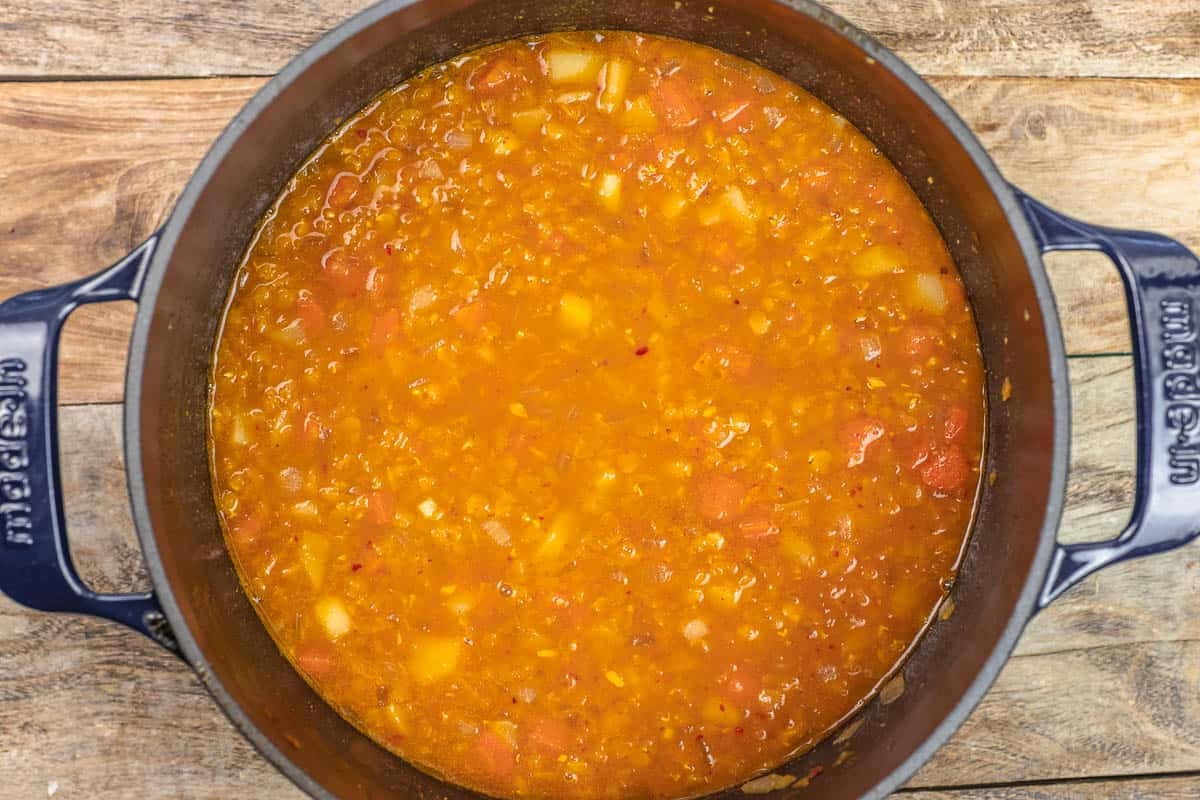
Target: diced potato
[237, 431]
[616, 82]
[576, 96]
[931, 292]
[562, 529]
[710, 214]
[639, 117]
[674, 205]
[573, 67]
[503, 142]
[718, 711]
[306, 509]
[575, 311]
[460, 603]
[798, 548]
[333, 617]
[314, 555]
[614, 677]
[879, 259]
[695, 630]
[609, 190]
[528, 122]
[435, 657]
[740, 207]
[428, 508]
[759, 323]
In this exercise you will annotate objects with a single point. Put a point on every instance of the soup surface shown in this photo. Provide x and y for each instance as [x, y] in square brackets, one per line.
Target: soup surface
[596, 415]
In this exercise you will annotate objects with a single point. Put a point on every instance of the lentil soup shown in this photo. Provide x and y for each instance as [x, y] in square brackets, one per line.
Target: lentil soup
[596, 415]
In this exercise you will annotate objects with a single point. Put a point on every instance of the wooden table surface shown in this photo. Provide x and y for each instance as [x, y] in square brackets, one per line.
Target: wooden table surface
[1091, 105]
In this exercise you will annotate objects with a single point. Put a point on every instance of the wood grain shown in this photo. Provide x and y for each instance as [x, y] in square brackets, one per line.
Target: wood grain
[1186, 787]
[92, 168]
[1105, 682]
[151, 38]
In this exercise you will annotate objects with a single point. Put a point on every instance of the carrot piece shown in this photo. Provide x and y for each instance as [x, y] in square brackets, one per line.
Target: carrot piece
[946, 470]
[491, 78]
[311, 314]
[386, 328]
[381, 506]
[497, 757]
[955, 423]
[550, 736]
[344, 271]
[676, 104]
[342, 190]
[720, 497]
[246, 528]
[470, 316]
[756, 527]
[317, 658]
[860, 434]
[919, 341]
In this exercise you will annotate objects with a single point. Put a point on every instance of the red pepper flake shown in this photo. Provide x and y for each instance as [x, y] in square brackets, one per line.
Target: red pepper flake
[814, 772]
[362, 133]
[737, 302]
[355, 567]
[699, 737]
[387, 248]
[641, 351]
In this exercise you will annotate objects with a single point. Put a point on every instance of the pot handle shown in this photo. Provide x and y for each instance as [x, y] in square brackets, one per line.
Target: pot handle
[1162, 288]
[35, 561]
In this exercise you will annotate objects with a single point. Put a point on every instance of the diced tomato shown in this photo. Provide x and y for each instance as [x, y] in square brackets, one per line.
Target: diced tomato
[518, 443]
[860, 434]
[344, 271]
[342, 190]
[956, 422]
[470, 316]
[946, 470]
[497, 758]
[312, 316]
[621, 160]
[676, 104]
[757, 527]
[386, 328]
[720, 497]
[316, 658]
[491, 78]
[919, 449]
[381, 506]
[246, 528]
[919, 341]
[550, 736]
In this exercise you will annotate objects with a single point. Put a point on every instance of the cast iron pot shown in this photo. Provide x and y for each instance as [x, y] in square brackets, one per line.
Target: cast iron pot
[1013, 565]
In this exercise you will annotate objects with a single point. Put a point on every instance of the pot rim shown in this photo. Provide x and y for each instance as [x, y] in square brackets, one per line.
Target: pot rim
[885, 59]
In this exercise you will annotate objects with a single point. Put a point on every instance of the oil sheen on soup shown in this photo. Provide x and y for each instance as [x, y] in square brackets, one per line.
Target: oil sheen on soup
[594, 416]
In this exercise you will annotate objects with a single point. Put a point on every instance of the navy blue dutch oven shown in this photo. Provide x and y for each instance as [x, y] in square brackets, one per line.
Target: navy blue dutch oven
[1013, 565]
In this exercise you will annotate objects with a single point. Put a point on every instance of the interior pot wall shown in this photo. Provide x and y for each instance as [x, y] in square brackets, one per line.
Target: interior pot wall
[217, 217]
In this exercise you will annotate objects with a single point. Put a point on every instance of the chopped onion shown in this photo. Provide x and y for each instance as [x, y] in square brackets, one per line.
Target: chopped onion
[498, 533]
[695, 630]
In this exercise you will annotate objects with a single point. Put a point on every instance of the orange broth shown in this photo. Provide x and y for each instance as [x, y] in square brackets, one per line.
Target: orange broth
[596, 415]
